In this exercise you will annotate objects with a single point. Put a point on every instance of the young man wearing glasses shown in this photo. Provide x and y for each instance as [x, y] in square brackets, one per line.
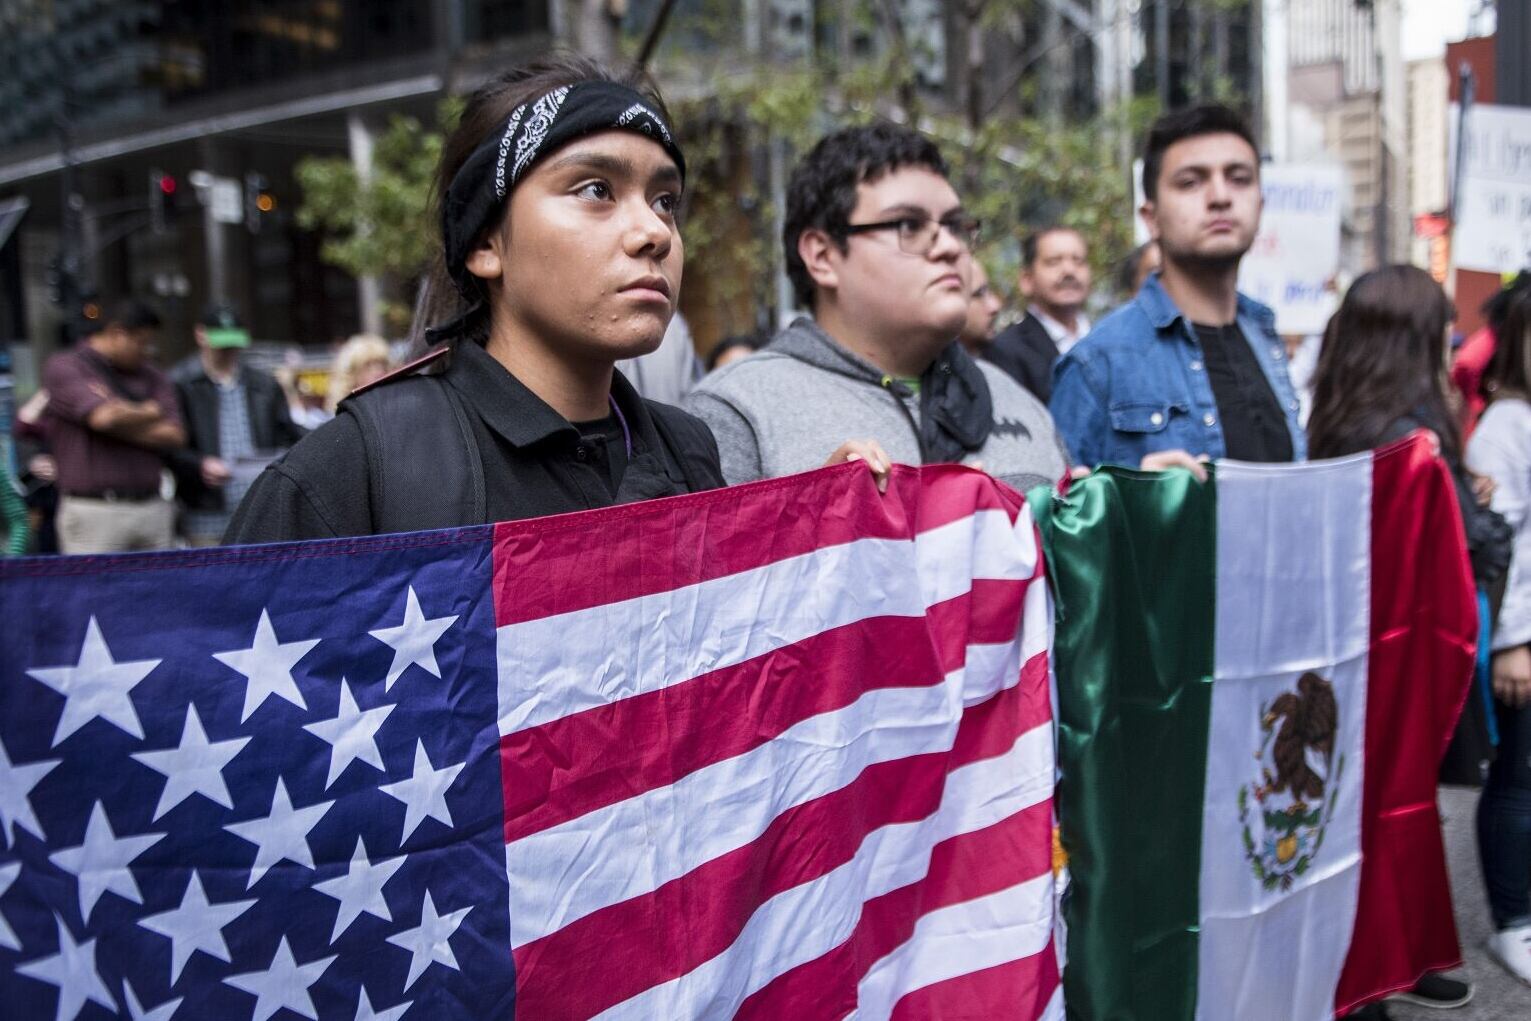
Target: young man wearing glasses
[879, 247]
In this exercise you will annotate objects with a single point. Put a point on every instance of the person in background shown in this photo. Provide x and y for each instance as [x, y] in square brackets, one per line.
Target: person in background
[109, 418]
[1472, 358]
[878, 245]
[235, 414]
[1189, 368]
[983, 308]
[1382, 375]
[1500, 448]
[734, 348]
[1055, 280]
[361, 360]
[39, 472]
[1131, 272]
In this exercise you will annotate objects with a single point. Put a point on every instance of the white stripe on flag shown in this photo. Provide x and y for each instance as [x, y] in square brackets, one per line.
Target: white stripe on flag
[990, 669]
[807, 921]
[1293, 595]
[959, 939]
[656, 641]
[660, 835]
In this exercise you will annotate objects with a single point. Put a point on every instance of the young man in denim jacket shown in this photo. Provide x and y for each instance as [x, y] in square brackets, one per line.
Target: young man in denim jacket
[1190, 369]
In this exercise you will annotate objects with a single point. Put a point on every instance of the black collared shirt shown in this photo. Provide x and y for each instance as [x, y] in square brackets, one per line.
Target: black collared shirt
[1254, 428]
[535, 463]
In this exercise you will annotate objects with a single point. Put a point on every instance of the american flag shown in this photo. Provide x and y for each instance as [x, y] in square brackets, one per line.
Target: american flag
[782, 750]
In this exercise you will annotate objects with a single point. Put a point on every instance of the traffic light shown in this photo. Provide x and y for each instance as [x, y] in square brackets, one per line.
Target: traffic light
[259, 202]
[162, 200]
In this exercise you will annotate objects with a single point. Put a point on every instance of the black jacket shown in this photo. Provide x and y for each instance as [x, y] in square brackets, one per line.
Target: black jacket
[503, 454]
[1026, 351]
[271, 427]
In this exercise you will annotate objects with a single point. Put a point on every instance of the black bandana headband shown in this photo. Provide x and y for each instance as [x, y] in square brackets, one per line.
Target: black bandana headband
[532, 130]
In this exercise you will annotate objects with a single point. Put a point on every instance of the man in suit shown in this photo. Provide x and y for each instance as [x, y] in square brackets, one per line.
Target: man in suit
[1055, 280]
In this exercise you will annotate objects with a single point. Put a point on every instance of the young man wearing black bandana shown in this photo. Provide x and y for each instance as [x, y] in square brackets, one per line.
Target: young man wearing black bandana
[559, 191]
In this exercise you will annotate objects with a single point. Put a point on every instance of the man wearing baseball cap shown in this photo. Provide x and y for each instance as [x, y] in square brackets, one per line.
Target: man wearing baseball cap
[235, 415]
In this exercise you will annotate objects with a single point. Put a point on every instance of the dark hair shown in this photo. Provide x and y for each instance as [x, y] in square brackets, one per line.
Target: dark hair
[750, 341]
[484, 113]
[822, 191]
[1178, 125]
[1496, 307]
[1383, 360]
[1031, 243]
[1509, 370]
[128, 314]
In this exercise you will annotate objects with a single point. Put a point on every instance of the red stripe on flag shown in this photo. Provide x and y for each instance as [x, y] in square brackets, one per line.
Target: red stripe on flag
[548, 566]
[564, 769]
[963, 868]
[615, 953]
[1018, 989]
[1423, 623]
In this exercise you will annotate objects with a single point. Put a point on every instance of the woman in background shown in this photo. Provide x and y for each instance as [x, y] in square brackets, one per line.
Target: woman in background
[1501, 449]
[1381, 375]
[361, 360]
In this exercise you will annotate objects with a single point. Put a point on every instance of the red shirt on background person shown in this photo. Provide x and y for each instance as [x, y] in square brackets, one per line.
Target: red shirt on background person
[1472, 359]
[109, 415]
[1467, 367]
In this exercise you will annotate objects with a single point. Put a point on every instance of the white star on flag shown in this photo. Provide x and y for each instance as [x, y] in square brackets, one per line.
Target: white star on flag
[413, 641]
[424, 793]
[195, 925]
[365, 1011]
[284, 984]
[360, 889]
[8, 873]
[352, 734]
[15, 806]
[267, 667]
[73, 970]
[96, 686]
[283, 833]
[136, 1012]
[430, 941]
[100, 864]
[193, 767]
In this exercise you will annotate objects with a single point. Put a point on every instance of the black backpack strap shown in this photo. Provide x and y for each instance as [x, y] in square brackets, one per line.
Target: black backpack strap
[422, 456]
[691, 444]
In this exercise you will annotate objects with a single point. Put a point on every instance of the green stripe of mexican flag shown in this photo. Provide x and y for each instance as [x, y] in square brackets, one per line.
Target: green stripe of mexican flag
[1256, 679]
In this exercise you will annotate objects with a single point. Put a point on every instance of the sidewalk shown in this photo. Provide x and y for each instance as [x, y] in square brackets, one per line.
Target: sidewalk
[1499, 997]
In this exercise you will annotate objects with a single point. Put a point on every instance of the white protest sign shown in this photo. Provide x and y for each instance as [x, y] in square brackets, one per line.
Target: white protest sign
[1296, 254]
[1493, 210]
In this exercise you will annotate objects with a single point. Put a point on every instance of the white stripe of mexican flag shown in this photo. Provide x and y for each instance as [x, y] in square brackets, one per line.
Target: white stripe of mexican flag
[1280, 869]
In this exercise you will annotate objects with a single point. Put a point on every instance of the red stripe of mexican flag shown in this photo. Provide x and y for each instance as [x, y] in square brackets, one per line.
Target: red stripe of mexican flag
[1404, 924]
[1256, 679]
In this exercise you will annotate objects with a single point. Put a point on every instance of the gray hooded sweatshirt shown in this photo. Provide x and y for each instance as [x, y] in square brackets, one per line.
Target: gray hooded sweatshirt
[786, 408]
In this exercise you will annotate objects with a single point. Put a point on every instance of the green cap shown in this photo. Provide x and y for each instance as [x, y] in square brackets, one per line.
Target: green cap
[221, 326]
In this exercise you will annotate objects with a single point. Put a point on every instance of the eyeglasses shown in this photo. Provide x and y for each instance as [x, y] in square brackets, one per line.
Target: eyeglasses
[917, 234]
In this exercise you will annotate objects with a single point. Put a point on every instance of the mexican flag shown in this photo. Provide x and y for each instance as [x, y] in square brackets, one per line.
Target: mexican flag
[1257, 677]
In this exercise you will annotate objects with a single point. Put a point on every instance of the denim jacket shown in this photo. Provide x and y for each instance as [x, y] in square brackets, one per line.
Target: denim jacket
[1137, 383]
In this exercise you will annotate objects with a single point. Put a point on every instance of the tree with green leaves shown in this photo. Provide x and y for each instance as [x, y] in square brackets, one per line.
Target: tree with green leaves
[378, 225]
